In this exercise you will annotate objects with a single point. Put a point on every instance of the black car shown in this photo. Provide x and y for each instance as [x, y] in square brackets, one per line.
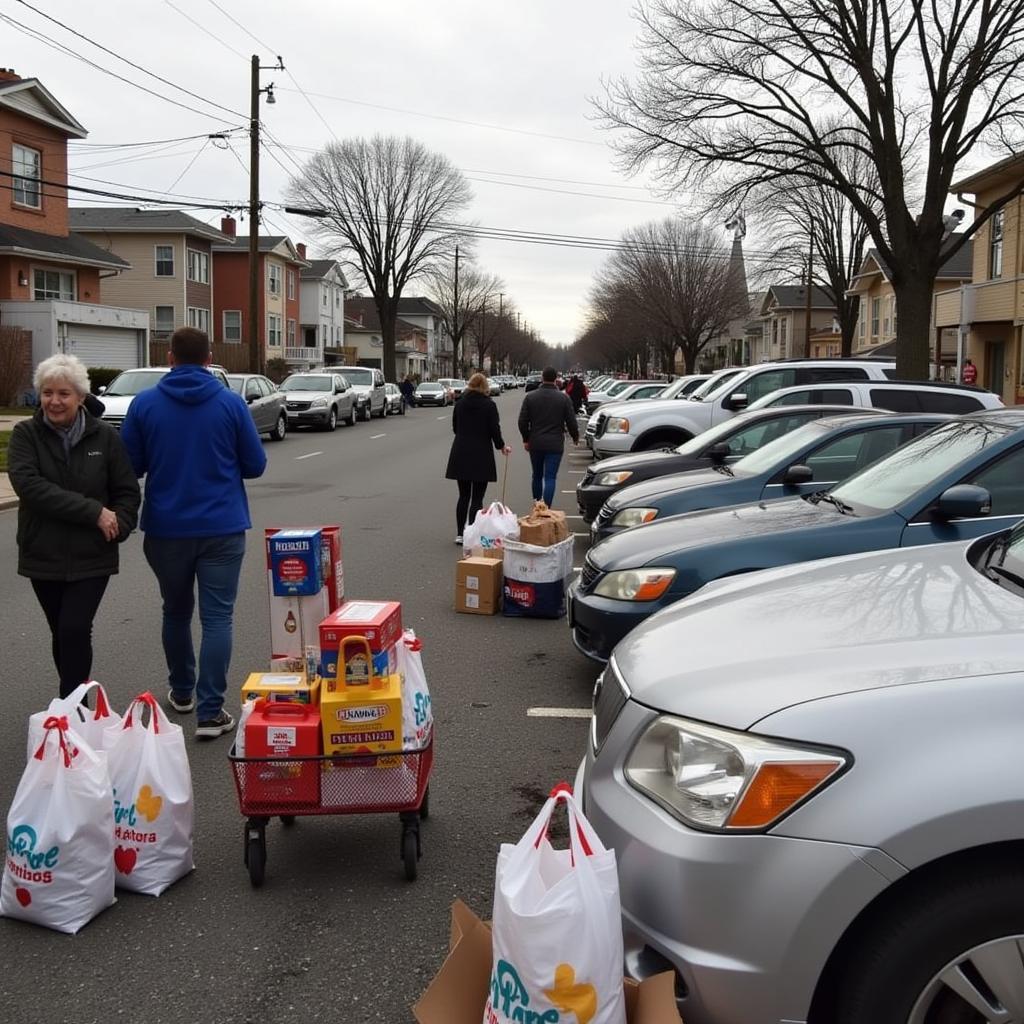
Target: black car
[533, 381]
[723, 443]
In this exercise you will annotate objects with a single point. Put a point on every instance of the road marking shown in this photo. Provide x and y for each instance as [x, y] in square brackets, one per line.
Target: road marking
[558, 712]
[576, 472]
[442, 417]
[581, 534]
[574, 517]
[568, 492]
[373, 437]
[299, 458]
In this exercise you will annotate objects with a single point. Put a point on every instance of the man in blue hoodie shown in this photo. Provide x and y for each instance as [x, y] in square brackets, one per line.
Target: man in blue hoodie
[195, 442]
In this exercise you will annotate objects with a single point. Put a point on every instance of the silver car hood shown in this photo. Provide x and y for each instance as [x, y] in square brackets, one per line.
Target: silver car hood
[746, 647]
[116, 405]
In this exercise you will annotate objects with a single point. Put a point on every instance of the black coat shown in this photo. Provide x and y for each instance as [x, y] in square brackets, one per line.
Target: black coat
[60, 499]
[477, 436]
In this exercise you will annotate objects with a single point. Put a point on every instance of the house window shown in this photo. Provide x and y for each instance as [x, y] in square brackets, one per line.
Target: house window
[27, 168]
[995, 245]
[198, 318]
[53, 284]
[274, 280]
[233, 325]
[337, 335]
[337, 298]
[862, 325]
[163, 255]
[198, 266]
[163, 323]
[274, 328]
[323, 332]
[291, 284]
[876, 312]
[783, 326]
[291, 334]
[887, 319]
[323, 297]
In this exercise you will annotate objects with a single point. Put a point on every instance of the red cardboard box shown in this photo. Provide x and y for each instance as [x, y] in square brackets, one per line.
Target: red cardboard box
[283, 730]
[378, 622]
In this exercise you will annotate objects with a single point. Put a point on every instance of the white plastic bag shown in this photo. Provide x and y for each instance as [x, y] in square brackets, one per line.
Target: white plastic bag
[557, 929]
[59, 868]
[417, 715]
[89, 723]
[153, 808]
[490, 528]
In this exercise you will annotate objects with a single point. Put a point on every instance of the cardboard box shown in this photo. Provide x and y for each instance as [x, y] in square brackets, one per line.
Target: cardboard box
[458, 992]
[543, 526]
[377, 622]
[295, 563]
[478, 586]
[332, 571]
[295, 624]
[281, 686]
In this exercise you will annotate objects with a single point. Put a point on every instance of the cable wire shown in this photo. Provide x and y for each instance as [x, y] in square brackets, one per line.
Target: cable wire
[203, 28]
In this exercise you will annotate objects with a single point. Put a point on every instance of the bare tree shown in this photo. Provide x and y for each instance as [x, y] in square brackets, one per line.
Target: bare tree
[752, 90]
[389, 206]
[477, 291]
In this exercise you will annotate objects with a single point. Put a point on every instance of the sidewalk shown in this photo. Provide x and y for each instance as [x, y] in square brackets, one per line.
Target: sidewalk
[8, 499]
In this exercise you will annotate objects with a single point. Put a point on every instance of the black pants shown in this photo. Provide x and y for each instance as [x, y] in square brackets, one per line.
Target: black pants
[69, 608]
[471, 499]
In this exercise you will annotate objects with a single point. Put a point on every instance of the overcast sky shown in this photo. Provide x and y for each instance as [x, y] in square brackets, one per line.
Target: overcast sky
[521, 72]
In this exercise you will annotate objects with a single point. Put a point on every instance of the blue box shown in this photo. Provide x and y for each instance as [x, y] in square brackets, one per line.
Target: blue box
[295, 564]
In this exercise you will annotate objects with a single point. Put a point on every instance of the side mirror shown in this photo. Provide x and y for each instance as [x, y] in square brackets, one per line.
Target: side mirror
[736, 401]
[250, 399]
[719, 452]
[101, 390]
[963, 501]
[798, 474]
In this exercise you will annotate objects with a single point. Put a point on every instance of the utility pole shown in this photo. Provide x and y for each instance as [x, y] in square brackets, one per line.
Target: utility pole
[807, 308]
[501, 299]
[455, 318]
[256, 363]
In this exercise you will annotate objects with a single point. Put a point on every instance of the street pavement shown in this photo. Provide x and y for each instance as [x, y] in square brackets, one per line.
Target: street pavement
[335, 933]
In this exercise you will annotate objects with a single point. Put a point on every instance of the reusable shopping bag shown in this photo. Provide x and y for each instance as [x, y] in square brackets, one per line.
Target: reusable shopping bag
[59, 868]
[490, 528]
[89, 723]
[557, 929]
[535, 579]
[417, 716]
[153, 809]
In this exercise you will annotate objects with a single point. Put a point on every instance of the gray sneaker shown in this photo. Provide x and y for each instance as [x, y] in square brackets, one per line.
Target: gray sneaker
[211, 728]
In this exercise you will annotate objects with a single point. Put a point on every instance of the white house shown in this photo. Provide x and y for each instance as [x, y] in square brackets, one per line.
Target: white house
[321, 311]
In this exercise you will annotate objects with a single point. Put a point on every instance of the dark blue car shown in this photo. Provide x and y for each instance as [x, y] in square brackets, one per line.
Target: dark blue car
[811, 458]
[963, 479]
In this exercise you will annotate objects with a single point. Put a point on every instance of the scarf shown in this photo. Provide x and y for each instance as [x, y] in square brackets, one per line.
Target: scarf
[70, 435]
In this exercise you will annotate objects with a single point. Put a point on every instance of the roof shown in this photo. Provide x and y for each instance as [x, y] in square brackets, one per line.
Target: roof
[1010, 167]
[365, 318]
[794, 296]
[128, 219]
[265, 243]
[30, 98]
[317, 270]
[958, 267]
[73, 249]
[419, 306]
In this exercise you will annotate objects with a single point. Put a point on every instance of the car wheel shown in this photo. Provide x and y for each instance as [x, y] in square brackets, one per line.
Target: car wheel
[365, 413]
[948, 953]
[352, 415]
[401, 409]
[332, 419]
[383, 410]
[280, 428]
[659, 442]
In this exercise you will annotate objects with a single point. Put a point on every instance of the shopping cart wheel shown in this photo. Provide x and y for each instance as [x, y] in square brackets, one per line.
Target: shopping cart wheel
[425, 806]
[410, 853]
[256, 853]
[287, 819]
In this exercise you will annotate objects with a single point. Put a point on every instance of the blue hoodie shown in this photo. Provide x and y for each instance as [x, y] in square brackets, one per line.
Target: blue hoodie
[195, 442]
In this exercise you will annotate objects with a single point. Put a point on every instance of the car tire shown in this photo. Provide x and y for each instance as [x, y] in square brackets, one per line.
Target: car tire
[365, 414]
[949, 928]
[332, 419]
[383, 410]
[659, 442]
[280, 430]
[352, 415]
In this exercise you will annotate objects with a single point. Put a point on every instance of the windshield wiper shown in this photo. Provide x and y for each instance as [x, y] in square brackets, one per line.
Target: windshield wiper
[841, 506]
[997, 572]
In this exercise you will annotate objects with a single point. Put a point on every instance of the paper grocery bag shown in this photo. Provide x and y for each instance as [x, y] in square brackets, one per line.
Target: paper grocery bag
[543, 526]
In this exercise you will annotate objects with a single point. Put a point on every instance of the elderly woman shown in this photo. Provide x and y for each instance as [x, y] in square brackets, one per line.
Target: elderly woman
[78, 499]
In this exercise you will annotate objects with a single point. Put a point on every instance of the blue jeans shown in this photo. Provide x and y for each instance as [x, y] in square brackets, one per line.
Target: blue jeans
[178, 563]
[545, 470]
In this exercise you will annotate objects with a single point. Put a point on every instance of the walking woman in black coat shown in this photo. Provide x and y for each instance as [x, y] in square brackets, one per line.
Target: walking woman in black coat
[471, 461]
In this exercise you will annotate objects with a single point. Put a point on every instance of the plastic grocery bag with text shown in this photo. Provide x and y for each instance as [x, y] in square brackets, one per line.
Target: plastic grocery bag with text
[153, 808]
[417, 714]
[89, 723]
[557, 928]
[59, 867]
[489, 530]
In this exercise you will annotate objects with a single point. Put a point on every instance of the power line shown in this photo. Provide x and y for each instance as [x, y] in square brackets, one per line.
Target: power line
[162, 154]
[188, 166]
[565, 192]
[203, 28]
[238, 24]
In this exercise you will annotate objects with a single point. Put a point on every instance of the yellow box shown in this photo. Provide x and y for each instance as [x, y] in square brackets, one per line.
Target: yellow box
[282, 686]
[361, 719]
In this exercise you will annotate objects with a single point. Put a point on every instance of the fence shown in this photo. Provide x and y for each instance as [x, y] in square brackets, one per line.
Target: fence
[15, 364]
[234, 358]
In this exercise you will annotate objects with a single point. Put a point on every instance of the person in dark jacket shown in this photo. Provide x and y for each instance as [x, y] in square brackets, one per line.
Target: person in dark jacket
[544, 418]
[477, 428]
[78, 499]
[408, 390]
[195, 442]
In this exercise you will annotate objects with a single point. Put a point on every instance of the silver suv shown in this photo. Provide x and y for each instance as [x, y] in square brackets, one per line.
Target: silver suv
[818, 809]
[368, 384]
[319, 399]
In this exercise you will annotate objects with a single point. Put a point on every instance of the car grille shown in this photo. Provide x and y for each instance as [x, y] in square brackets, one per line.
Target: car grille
[298, 406]
[610, 695]
[589, 575]
[588, 478]
[114, 421]
[602, 425]
[605, 516]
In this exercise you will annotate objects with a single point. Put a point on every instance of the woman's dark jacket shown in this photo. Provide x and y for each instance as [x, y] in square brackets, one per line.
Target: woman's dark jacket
[60, 499]
[477, 435]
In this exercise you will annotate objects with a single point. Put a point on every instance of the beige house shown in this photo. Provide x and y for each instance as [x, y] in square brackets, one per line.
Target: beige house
[783, 314]
[171, 272]
[875, 333]
[988, 313]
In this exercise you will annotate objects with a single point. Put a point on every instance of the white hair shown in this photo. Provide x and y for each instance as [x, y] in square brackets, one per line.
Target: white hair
[62, 367]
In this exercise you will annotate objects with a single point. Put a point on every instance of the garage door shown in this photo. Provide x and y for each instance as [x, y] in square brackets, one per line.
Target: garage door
[117, 347]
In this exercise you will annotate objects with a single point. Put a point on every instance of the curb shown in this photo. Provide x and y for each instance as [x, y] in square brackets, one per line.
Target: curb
[6, 503]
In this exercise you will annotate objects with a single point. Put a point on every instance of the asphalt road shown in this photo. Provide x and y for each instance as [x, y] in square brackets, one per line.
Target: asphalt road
[335, 933]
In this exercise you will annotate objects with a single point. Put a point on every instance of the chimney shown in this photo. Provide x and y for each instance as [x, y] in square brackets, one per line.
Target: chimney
[300, 248]
[227, 226]
[9, 75]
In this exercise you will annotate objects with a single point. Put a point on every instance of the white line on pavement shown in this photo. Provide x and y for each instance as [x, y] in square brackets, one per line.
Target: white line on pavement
[373, 437]
[558, 712]
[299, 458]
[444, 418]
[574, 517]
[568, 492]
[581, 534]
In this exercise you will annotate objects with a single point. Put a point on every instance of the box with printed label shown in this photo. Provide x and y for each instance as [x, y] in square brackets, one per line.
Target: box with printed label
[295, 624]
[281, 687]
[295, 563]
[384, 664]
[282, 731]
[536, 578]
[332, 572]
[478, 586]
[377, 622]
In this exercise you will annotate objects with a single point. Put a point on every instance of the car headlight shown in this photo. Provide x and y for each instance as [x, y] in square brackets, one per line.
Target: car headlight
[636, 584]
[611, 479]
[318, 403]
[617, 425]
[634, 516]
[723, 780]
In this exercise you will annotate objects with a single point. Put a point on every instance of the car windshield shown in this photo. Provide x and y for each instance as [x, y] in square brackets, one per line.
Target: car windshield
[308, 382]
[676, 388]
[1011, 557]
[779, 450]
[354, 375]
[133, 382]
[714, 384]
[429, 387]
[237, 384]
[899, 476]
[458, 384]
[619, 385]
[706, 438]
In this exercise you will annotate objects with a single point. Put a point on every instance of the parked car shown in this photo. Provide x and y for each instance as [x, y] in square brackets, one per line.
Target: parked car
[368, 386]
[430, 392]
[267, 405]
[963, 479]
[125, 386]
[823, 821]
[634, 393]
[658, 423]
[396, 406]
[319, 399]
[532, 382]
[613, 391]
[730, 440]
[896, 395]
[454, 384]
[493, 387]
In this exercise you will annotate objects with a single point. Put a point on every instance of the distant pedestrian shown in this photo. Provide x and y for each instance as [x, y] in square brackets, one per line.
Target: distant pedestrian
[195, 442]
[477, 429]
[969, 373]
[544, 418]
[408, 389]
[577, 392]
[78, 499]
